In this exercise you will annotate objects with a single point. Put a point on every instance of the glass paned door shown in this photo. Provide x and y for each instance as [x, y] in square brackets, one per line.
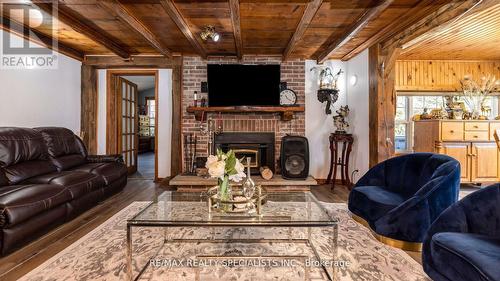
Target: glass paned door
[127, 142]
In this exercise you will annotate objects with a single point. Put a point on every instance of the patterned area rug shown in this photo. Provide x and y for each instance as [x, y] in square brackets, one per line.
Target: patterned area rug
[101, 255]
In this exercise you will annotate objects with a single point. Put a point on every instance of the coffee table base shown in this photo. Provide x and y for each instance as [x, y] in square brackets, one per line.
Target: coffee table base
[307, 241]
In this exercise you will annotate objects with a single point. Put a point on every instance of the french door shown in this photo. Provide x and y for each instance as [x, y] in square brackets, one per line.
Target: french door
[127, 122]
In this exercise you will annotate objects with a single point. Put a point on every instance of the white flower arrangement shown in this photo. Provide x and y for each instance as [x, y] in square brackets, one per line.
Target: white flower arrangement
[225, 165]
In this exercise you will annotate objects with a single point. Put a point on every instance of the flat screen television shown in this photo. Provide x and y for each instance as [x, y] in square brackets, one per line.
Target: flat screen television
[243, 85]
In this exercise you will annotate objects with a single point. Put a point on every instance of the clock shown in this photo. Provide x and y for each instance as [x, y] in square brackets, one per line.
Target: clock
[288, 97]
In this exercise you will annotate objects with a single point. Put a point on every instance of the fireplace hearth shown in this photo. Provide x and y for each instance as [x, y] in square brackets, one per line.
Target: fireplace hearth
[258, 146]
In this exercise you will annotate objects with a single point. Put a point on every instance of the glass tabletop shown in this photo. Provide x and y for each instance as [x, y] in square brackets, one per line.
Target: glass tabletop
[293, 209]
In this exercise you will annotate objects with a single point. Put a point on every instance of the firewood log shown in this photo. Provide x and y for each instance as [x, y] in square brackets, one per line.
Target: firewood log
[266, 173]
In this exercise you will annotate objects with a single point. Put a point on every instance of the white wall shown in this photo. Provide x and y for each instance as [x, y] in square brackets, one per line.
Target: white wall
[319, 125]
[41, 97]
[357, 99]
[164, 119]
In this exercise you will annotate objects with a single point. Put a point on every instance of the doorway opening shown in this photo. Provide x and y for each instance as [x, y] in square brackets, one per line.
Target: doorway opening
[132, 120]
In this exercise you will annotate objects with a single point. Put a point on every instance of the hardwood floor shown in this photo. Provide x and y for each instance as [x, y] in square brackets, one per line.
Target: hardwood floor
[145, 166]
[30, 256]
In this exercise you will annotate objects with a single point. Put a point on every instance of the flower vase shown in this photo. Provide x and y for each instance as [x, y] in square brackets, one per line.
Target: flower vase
[224, 194]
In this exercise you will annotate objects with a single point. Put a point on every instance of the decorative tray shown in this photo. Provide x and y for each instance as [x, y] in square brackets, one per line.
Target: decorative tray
[239, 203]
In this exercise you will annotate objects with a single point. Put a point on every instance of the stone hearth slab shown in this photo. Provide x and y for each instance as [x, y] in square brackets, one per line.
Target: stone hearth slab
[277, 183]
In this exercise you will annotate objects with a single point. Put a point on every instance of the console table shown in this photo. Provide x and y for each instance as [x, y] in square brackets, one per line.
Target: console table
[343, 161]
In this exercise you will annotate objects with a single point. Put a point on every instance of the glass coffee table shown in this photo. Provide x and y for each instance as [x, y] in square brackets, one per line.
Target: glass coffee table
[285, 217]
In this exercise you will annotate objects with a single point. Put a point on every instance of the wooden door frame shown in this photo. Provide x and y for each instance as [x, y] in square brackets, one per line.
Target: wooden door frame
[110, 103]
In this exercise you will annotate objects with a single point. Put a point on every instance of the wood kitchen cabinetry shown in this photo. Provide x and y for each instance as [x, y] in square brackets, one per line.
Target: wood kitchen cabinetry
[471, 142]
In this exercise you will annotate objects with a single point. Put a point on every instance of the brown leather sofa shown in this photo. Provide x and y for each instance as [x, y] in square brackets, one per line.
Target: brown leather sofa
[46, 179]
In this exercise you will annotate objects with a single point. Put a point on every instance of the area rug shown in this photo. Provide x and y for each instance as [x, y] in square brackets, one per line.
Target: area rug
[101, 255]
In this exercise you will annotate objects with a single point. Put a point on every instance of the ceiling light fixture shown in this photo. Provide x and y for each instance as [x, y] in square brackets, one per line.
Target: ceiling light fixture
[210, 33]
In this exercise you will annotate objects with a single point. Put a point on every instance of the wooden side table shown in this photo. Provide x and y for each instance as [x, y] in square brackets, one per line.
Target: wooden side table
[343, 160]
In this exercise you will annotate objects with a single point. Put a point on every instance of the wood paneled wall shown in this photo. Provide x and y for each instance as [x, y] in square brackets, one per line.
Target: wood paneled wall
[440, 75]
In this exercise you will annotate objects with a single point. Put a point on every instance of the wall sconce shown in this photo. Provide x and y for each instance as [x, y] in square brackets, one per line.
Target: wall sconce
[210, 33]
[353, 80]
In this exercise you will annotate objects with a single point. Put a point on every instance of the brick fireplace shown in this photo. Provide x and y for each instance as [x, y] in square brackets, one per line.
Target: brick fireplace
[195, 72]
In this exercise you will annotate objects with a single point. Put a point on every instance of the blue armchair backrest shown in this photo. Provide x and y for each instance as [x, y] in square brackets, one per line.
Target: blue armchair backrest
[481, 211]
[407, 174]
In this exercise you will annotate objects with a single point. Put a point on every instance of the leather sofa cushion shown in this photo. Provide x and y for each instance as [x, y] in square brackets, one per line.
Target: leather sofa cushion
[88, 168]
[22, 171]
[372, 202]
[60, 141]
[21, 202]
[67, 162]
[465, 256]
[18, 145]
[64, 147]
[23, 154]
[111, 171]
[77, 183]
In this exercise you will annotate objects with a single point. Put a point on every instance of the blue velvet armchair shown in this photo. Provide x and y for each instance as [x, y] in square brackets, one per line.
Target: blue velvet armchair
[401, 197]
[463, 244]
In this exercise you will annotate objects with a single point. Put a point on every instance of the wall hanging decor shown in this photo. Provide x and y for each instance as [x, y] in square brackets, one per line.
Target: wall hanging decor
[328, 90]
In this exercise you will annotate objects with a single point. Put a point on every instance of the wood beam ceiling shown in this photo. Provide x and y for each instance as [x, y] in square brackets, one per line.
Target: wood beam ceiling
[354, 29]
[441, 17]
[438, 31]
[133, 62]
[127, 17]
[307, 17]
[420, 10]
[39, 38]
[179, 20]
[234, 7]
[96, 34]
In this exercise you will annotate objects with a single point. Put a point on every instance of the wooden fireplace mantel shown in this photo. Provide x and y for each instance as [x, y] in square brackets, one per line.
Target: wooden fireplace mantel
[287, 112]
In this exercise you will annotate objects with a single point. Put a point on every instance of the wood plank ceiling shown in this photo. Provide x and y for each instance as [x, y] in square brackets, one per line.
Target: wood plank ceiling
[312, 29]
[474, 36]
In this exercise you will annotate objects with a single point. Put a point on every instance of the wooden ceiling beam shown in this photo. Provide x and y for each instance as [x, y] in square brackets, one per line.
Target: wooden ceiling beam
[422, 9]
[179, 20]
[438, 31]
[311, 9]
[234, 7]
[77, 23]
[134, 62]
[39, 38]
[441, 17]
[128, 18]
[354, 29]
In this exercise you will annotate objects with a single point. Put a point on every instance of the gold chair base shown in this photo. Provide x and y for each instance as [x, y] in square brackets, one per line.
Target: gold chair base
[403, 245]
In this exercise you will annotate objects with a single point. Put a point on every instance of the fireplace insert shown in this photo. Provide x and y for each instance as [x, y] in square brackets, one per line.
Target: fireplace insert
[258, 146]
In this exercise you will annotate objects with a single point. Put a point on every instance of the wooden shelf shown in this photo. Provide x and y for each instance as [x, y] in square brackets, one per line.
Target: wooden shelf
[287, 112]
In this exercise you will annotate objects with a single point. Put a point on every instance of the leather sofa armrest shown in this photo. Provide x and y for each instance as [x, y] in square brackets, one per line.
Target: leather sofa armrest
[105, 158]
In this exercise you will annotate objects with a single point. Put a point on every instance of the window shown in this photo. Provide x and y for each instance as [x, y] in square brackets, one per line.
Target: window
[151, 107]
[409, 106]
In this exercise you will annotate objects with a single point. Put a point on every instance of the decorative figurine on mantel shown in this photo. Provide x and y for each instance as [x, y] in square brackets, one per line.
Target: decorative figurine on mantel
[328, 91]
[339, 120]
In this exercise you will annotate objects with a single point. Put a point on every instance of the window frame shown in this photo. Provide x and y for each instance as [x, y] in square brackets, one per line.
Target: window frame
[410, 125]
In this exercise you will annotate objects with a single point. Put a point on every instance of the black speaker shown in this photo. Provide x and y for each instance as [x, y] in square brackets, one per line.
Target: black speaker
[294, 160]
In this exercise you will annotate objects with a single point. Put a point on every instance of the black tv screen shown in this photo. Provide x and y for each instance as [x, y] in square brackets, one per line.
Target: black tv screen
[240, 85]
